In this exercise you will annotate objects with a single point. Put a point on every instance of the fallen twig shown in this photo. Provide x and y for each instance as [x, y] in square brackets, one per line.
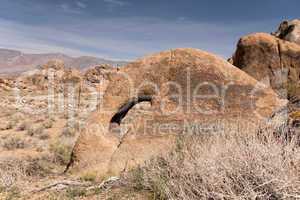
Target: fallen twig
[104, 184]
[66, 184]
[62, 185]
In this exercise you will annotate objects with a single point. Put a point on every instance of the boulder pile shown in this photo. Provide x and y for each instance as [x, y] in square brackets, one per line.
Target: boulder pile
[96, 74]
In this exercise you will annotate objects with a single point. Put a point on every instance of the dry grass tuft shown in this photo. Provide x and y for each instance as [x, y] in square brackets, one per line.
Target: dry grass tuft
[68, 132]
[13, 171]
[233, 166]
[61, 152]
[23, 126]
[35, 130]
[89, 176]
[8, 125]
[48, 123]
[14, 142]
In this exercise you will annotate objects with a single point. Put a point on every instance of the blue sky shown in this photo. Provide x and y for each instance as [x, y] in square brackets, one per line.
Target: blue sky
[128, 29]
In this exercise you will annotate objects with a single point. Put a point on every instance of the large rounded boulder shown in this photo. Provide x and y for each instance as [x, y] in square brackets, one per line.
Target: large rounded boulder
[271, 60]
[150, 102]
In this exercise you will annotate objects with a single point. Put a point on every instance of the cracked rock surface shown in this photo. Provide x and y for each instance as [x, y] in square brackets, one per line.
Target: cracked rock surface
[175, 80]
[272, 61]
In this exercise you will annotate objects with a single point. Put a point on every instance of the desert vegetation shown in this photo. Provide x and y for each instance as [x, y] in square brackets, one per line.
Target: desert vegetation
[186, 125]
[227, 165]
[230, 166]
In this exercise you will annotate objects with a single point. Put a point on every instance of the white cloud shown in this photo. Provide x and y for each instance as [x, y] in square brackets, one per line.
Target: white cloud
[69, 9]
[81, 4]
[25, 38]
[75, 8]
[116, 2]
[123, 38]
[181, 19]
[47, 39]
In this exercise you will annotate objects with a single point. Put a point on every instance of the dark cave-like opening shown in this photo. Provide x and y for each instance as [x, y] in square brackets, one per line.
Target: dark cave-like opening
[122, 112]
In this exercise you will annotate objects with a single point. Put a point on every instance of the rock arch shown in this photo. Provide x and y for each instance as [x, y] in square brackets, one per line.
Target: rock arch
[117, 118]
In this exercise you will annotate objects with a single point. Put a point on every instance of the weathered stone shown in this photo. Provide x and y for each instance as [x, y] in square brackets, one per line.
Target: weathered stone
[272, 61]
[53, 74]
[98, 73]
[54, 64]
[188, 92]
[289, 31]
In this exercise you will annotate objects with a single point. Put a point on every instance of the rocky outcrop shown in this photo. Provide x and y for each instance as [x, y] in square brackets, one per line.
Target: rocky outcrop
[96, 74]
[57, 65]
[53, 73]
[271, 60]
[151, 101]
[289, 30]
[2, 81]
[5, 83]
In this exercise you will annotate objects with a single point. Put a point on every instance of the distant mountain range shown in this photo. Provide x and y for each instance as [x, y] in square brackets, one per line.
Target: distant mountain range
[12, 61]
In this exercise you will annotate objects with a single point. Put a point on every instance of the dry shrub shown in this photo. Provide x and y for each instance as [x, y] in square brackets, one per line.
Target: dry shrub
[35, 130]
[23, 126]
[68, 132]
[61, 152]
[44, 136]
[48, 123]
[10, 173]
[73, 193]
[7, 125]
[232, 166]
[293, 90]
[71, 129]
[13, 171]
[89, 176]
[14, 142]
[37, 167]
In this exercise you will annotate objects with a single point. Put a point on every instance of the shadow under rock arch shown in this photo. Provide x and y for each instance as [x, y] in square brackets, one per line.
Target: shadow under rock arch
[123, 110]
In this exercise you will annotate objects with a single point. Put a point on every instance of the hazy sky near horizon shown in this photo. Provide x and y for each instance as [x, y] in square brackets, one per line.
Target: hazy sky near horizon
[127, 29]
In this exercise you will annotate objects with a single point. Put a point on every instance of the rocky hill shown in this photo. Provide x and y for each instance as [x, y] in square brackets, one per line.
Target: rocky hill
[12, 61]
